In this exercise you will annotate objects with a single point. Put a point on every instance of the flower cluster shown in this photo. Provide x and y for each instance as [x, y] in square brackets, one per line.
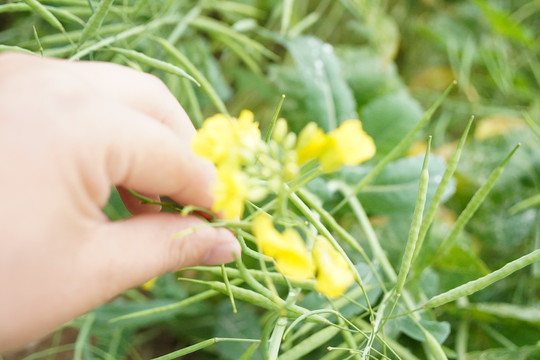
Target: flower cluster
[250, 169]
[293, 259]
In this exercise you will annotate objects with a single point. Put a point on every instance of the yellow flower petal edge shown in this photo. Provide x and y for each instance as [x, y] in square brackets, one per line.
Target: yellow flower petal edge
[288, 249]
[215, 139]
[311, 143]
[334, 276]
[348, 145]
[229, 192]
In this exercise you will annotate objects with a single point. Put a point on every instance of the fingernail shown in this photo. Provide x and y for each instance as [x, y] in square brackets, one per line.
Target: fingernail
[221, 253]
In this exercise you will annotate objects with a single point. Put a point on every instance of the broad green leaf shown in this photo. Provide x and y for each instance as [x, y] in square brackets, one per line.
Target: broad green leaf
[388, 118]
[367, 74]
[327, 96]
[528, 314]
[395, 189]
[439, 329]
[243, 324]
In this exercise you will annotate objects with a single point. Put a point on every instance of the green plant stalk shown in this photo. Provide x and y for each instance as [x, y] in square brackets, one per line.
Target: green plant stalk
[471, 208]
[196, 115]
[349, 339]
[276, 338]
[306, 210]
[414, 231]
[94, 22]
[534, 127]
[206, 86]
[82, 338]
[182, 25]
[435, 201]
[525, 204]
[241, 52]
[199, 346]
[397, 150]
[228, 287]
[432, 347]
[304, 197]
[309, 344]
[252, 282]
[155, 63]
[323, 311]
[476, 285]
[462, 338]
[376, 248]
[171, 307]
[240, 293]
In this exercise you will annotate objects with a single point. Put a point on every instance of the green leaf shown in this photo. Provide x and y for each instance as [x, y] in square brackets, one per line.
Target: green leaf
[388, 118]
[327, 96]
[395, 189]
[528, 314]
[243, 324]
[439, 329]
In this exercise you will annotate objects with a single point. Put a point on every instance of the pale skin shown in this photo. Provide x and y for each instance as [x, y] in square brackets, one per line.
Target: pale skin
[69, 131]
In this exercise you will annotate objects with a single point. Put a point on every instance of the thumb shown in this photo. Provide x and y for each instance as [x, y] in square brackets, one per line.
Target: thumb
[142, 247]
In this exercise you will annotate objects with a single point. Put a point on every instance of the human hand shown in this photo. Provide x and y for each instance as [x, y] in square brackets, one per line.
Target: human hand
[68, 132]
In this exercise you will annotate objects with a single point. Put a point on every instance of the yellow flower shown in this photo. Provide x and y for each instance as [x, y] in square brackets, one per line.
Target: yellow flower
[149, 284]
[334, 276]
[311, 143]
[215, 139]
[288, 249]
[347, 145]
[223, 139]
[229, 192]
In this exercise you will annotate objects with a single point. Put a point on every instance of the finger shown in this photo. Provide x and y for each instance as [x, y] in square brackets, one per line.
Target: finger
[141, 155]
[141, 91]
[137, 249]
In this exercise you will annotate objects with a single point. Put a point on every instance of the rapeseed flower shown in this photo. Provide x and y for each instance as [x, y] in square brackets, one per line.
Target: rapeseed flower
[347, 145]
[334, 276]
[215, 139]
[230, 192]
[287, 248]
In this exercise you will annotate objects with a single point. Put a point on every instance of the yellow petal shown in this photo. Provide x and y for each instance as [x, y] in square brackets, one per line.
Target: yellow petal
[288, 249]
[348, 145]
[311, 143]
[229, 192]
[215, 139]
[334, 275]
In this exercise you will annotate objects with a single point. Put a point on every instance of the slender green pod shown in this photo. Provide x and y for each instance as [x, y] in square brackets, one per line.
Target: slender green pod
[432, 347]
[171, 307]
[397, 150]
[239, 293]
[155, 63]
[4, 48]
[94, 22]
[45, 13]
[215, 27]
[412, 241]
[155, 24]
[476, 285]
[276, 338]
[311, 343]
[205, 85]
[274, 119]
[201, 345]
[448, 173]
[471, 207]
